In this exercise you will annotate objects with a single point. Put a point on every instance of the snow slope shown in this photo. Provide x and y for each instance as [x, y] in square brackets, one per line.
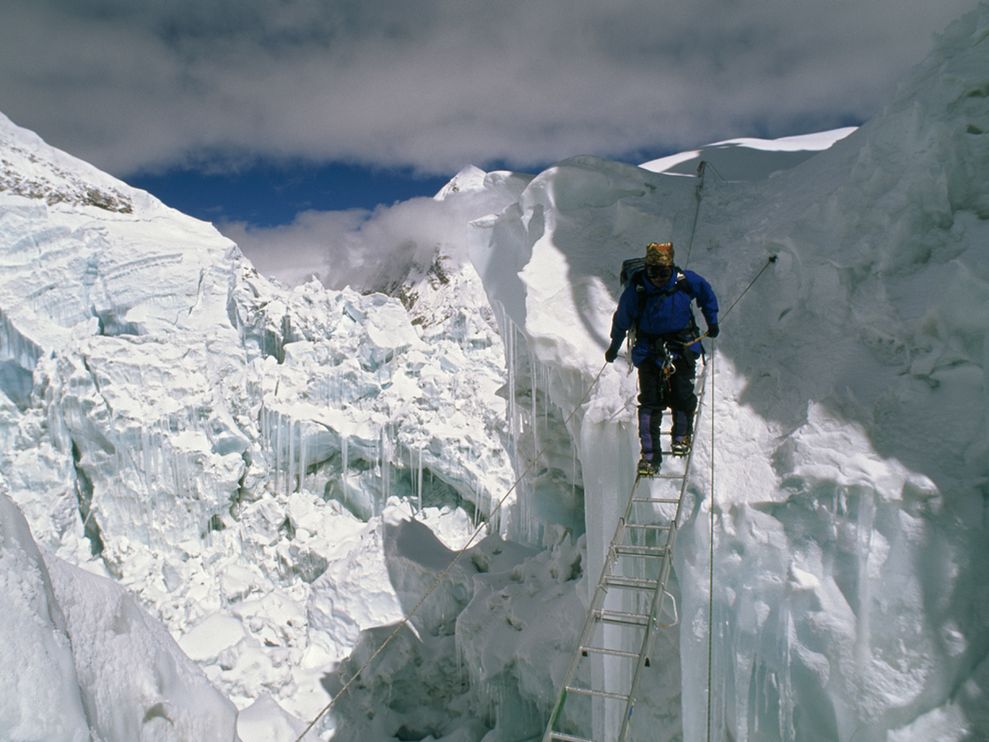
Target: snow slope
[83, 658]
[850, 440]
[749, 158]
[279, 475]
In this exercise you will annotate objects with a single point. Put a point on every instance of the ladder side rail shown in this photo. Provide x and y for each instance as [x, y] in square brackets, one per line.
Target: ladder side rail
[690, 454]
[597, 602]
[658, 599]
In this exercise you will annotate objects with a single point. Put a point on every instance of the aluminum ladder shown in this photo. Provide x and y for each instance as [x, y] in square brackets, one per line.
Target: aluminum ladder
[631, 601]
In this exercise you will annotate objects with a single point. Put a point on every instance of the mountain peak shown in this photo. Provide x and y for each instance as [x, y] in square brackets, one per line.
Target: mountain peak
[33, 169]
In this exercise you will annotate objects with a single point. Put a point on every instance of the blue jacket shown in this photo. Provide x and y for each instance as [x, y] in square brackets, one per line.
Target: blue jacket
[666, 310]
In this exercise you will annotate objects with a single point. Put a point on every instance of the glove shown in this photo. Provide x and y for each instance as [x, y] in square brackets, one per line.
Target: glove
[612, 353]
[712, 331]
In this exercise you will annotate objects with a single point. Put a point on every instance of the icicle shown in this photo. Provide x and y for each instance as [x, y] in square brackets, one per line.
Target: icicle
[534, 416]
[344, 454]
[290, 468]
[176, 482]
[145, 453]
[385, 453]
[546, 400]
[573, 472]
[303, 464]
[419, 480]
[863, 548]
[344, 464]
[263, 424]
[386, 459]
[159, 444]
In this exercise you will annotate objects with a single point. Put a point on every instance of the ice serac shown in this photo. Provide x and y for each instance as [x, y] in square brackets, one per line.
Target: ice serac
[85, 661]
[224, 446]
[40, 696]
[846, 466]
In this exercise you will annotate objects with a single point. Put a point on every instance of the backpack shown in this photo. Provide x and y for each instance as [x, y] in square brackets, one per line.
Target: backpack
[632, 268]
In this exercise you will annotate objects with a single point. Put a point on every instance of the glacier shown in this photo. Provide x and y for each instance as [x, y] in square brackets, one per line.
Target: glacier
[221, 495]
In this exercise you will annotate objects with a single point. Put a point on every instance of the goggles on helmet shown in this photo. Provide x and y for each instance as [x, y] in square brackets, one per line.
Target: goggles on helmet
[660, 272]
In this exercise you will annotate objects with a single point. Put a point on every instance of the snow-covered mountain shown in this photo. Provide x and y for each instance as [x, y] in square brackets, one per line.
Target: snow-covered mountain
[261, 483]
[222, 447]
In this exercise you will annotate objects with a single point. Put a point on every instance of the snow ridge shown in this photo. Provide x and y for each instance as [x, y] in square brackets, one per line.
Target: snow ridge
[31, 169]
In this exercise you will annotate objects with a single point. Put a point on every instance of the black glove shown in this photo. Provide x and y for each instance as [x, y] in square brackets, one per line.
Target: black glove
[712, 331]
[612, 353]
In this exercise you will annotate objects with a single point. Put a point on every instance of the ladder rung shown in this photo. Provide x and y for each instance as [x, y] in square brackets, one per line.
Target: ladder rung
[643, 551]
[568, 737]
[648, 526]
[599, 693]
[633, 583]
[658, 500]
[612, 652]
[623, 617]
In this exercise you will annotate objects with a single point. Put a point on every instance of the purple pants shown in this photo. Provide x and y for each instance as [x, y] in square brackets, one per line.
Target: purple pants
[657, 393]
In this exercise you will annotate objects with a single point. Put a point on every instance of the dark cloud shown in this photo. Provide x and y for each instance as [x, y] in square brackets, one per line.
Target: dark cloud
[436, 84]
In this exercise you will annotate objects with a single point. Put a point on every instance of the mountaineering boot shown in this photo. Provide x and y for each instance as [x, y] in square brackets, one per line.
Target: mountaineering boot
[647, 468]
[681, 445]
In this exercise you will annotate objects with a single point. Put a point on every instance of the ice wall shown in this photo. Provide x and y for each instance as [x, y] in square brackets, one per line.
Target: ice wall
[85, 661]
[849, 408]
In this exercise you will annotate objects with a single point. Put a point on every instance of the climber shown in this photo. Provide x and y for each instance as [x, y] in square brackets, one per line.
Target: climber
[656, 306]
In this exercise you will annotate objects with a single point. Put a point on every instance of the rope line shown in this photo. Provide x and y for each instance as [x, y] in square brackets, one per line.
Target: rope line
[697, 207]
[710, 586]
[406, 620]
[711, 534]
[769, 261]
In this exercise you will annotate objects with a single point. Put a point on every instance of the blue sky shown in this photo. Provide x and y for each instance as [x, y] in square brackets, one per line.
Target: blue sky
[262, 113]
[268, 194]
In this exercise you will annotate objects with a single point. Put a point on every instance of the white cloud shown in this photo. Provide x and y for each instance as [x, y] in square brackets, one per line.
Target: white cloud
[316, 244]
[437, 84]
[368, 250]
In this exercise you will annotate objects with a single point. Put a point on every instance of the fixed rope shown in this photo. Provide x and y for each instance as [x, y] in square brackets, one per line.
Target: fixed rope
[701, 166]
[710, 589]
[769, 261]
[406, 620]
[710, 586]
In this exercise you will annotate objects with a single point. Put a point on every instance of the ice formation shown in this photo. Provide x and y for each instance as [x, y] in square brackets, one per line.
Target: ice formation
[849, 439]
[276, 476]
[224, 447]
